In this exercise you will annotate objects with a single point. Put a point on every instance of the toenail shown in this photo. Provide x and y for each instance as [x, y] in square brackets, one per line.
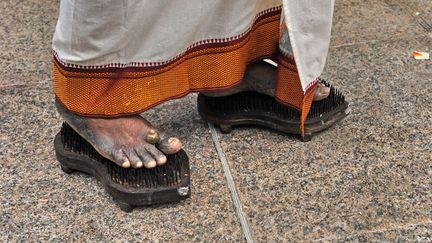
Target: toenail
[151, 164]
[126, 164]
[139, 164]
[162, 160]
[173, 140]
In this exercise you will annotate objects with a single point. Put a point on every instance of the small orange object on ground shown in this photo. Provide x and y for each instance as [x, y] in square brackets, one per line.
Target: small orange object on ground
[420, 55]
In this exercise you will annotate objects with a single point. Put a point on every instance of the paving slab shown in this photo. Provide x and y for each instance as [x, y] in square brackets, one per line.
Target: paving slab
[38, 202]
[369, 173]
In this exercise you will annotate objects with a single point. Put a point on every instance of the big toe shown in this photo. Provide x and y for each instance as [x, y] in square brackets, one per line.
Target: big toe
[321, 93]
[170, 145]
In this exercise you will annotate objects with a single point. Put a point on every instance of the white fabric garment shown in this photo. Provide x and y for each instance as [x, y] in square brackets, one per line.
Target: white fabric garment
[309, 25]
[100, 33]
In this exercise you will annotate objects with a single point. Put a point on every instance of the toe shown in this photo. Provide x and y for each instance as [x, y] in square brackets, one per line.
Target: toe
[120, 158]
[169, 145]
[150, 164]
[157, 155]
[146, 157]
[134, 159]
[321, 93]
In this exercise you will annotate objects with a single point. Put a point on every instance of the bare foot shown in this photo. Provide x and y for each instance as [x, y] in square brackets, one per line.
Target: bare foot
[127, 141]
[261, 77]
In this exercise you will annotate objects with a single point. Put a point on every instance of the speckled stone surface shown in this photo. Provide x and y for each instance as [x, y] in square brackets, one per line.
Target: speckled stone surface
[369, 21]
[369, 178]
[420, 10]
[38, 202]
[410, 233]
[25, 40]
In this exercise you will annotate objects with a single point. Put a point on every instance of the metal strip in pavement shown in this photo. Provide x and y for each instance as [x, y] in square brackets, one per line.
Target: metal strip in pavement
[231, 186]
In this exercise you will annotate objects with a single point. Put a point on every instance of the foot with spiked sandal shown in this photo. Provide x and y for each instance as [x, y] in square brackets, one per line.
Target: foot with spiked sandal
[140, 165]
[253, 103]
[137, 164]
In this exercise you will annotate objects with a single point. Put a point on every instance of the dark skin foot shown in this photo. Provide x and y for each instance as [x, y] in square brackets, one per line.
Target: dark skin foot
[261, 77]
[127, 141]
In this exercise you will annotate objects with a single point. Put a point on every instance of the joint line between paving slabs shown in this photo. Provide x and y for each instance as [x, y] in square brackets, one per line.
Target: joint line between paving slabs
[231, 185]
